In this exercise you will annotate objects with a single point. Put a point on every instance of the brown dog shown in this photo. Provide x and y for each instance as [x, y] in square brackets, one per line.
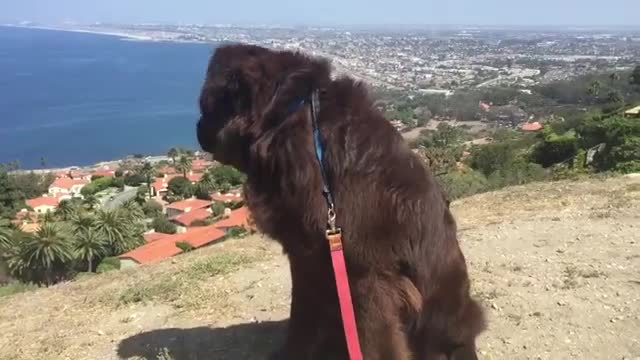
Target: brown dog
[408, 276]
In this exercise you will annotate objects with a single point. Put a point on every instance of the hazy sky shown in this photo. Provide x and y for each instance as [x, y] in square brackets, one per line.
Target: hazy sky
[329, 12]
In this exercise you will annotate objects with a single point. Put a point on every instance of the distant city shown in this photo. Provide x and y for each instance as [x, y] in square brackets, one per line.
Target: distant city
[429, 60]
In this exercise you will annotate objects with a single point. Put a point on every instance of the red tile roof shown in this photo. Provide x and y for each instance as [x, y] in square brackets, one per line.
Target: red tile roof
[200, 164]
[151, 237]
[43, 201]
[187, 218]
[534, 126]
[168, 170]
[67, 183]
[166, 246]
[189, 204]
[238, 217]
[105, 173]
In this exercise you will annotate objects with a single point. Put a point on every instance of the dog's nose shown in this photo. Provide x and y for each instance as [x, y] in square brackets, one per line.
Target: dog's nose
[204, 140]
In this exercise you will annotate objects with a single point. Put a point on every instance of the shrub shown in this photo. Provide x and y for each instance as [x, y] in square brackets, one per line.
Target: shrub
[163, 225]
[461, 184]
[184, 246]
[152, 209]
[202, 222]
[108, 264]
[181, 187]
[237, 232]
[134, 180]
[96, 177]
[96, 186]
[217, 208]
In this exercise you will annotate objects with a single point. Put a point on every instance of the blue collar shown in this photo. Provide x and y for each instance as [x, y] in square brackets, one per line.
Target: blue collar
[295, 105]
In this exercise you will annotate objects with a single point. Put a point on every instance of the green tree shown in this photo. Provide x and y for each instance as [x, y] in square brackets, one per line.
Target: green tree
[613, 77]
[173, 154]
[80, 222]
[491, 157]
[66, 210]
[91, 201]
[555, 148]
[634, 79]
[594, 88]
[184, 165]
[6, 238]
[11, 198]
[89, 244]
[117, 229]
[152, 208]
[615, 97]
[225, 174]
[180, 187]
[48, 249]
[147, 171]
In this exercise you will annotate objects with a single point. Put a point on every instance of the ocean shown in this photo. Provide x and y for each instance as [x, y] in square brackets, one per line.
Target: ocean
[78, 98]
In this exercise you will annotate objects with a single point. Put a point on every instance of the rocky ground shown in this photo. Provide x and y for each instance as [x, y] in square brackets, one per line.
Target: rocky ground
[557, 265]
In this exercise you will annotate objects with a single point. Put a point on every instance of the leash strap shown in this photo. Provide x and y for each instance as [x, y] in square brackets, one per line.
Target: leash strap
[334, 237]
[344, 294]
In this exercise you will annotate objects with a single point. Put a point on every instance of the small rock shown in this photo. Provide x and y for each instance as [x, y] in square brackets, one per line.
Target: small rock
[174, 261]
[561, 303]
[494, 306]
[254, 320]
[613, 320]
[100, 332]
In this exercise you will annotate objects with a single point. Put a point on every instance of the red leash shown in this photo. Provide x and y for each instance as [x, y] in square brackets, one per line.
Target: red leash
[334, 237]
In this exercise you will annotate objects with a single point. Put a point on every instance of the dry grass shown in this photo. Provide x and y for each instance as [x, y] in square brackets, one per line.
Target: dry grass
[541, 256]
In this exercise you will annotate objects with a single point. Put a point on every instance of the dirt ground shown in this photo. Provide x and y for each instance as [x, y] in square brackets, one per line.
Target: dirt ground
[557, 266]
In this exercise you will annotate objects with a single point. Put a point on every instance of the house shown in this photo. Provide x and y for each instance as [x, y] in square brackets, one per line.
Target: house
[168, 170]
[633, 112]
[186, 206]
[200, 165]
[232, 196]
[43, 204]
[531, 126]
[165, 246]
[154, 236]
[67, 186]
[184, 220]
[236, 218]
[80, 175]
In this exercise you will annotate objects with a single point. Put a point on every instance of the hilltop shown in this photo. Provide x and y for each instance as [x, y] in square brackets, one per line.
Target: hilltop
[555, 264]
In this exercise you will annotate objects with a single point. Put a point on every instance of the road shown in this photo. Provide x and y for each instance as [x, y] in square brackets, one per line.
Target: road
[120, 198]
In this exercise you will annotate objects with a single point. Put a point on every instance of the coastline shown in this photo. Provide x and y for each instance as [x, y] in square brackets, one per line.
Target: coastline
[106, 32]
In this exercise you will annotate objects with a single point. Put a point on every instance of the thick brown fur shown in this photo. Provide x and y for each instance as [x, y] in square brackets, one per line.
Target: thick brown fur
[408, 276]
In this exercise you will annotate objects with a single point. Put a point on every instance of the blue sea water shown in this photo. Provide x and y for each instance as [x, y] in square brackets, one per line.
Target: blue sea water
[77, 98]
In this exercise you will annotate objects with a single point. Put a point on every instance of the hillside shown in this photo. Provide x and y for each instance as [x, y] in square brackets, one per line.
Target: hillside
[557, 266]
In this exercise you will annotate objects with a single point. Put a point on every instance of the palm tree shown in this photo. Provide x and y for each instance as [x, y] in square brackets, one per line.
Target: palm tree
[91, 201]
[208, 181]
[594, 88]
[48, 217]
[81, 222]
[173, 154]
[6, 237]
[49, 247]
[132, 209]
[615, 97]
[66, 210]
[147, 172]
[88, 245]
[184, 165]
[116, 227]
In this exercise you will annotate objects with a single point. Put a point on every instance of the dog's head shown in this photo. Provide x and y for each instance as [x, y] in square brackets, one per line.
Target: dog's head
[246, 93]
